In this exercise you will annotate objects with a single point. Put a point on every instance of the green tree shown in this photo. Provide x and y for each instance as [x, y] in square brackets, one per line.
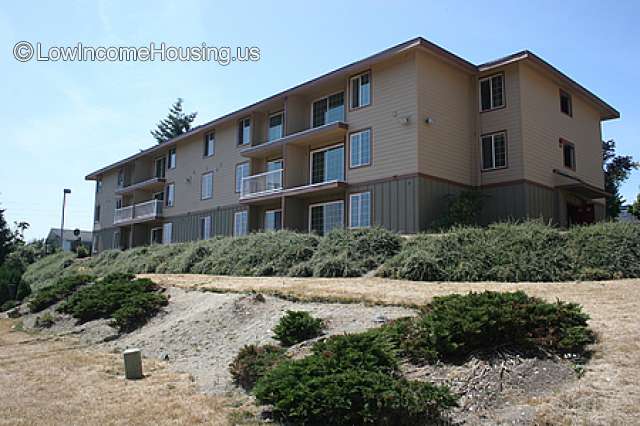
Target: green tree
[617, 169]
[635, 207]
[176, 123]
[6, 238]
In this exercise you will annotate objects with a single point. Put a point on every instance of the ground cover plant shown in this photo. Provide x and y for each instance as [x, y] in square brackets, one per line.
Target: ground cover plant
[54, 293]
[297, 326]
[253, 362]
[128, 301]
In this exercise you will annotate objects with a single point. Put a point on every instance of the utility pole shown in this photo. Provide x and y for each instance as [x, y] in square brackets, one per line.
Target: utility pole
[64, 200]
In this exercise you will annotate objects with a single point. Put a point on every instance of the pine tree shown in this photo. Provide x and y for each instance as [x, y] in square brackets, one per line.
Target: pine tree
[617, 169]
[176, 123]
[6, 238]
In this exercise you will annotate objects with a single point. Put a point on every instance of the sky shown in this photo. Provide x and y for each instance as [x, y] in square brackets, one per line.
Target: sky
[61, 120]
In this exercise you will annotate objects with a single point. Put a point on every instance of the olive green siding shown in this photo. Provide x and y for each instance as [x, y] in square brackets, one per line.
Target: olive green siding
[434, 195]
[187, 227]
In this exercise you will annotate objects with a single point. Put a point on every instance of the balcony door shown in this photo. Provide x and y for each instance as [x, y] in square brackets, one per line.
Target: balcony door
[327, 164]
[160, 165]
[324, 217]
[274, 180]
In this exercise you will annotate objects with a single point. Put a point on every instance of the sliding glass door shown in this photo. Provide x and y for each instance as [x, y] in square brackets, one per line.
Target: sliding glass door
[327, 164]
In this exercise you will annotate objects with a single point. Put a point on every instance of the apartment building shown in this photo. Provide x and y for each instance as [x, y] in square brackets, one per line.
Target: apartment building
[382, 141]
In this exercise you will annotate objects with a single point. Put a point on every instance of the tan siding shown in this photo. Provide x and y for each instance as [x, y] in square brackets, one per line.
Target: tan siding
[393, 96]
[445, 94]
[544, 124]
[107, 200]
[509, 119]
[191, 165]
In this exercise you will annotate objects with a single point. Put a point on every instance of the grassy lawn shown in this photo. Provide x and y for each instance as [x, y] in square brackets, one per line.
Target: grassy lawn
[55, 381]
[608, 393]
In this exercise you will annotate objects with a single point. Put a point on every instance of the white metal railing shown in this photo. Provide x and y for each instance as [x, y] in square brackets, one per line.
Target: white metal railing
[148, 209]
[262, 183]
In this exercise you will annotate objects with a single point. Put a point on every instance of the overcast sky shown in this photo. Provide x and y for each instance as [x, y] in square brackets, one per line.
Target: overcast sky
[61, 120]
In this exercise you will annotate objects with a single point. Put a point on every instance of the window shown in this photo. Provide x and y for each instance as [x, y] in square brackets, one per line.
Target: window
[172, 159]
[206, 188]
[240, 223]
[565, 103]
[272, 220]
[360, 210]
[115, 244]
[209, 144]
[244, 131]
[98, 186]
[274, 180]
[492, 92]
[328, 110]
[494, 151]
[275, 126]
[568, 154]
[118, 203]
[160, 166]
[327, 164]
[242, 171]
[325, 217]
[171, 194]
[158, 196]
[360, 148]
[96, 213]
[120, 182]
[156, 236]
[205, 227]
[167, 231]
[361, 90]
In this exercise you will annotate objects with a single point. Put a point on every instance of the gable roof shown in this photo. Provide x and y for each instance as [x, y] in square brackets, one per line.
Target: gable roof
[85, 236]
[608, 111]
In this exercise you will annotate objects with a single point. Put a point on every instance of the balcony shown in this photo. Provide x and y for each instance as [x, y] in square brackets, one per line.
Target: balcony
[328, 132]
[154, 183]
[136, 213]
[261, 185]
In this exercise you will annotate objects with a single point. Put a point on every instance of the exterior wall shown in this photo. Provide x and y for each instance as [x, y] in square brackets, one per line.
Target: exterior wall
[433, 198]
[107, 200]
[446, 95]
[187, 227]
[544, 124]
[506, 119]
[393, 146]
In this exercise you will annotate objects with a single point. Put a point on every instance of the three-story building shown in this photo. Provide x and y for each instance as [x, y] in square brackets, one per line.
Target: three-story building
[382, 141]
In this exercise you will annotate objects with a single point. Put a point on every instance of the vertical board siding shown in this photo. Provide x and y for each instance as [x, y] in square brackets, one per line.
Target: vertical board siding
[187, 227]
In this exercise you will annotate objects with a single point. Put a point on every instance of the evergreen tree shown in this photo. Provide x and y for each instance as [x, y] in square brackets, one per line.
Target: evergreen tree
[6, 238]
[176, 123]
[617, 169]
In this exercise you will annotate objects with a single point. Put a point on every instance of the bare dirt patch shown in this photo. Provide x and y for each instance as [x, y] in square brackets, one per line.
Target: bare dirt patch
[608, 393]
[57, 381]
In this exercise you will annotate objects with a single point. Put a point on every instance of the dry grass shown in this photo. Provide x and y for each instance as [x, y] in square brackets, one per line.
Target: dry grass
[54, 381]
[608, 393]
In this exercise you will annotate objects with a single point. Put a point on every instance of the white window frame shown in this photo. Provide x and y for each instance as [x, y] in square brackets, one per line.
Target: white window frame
[115, 244]
[351, 150]
[238, 182]
[325, 204]
[119, 203]
[172, 158]
[210, 144]
[359, 196]
[326, 148]
[206, 195]
[504, 95]
[98, 185]
[280, 113]
[156, 229]
[327, 98]
[244, 230]
[170, 198]
[358, 79]
[274, 211]
[167, 239]
[205, 227]
[493, 151]
[241, 122]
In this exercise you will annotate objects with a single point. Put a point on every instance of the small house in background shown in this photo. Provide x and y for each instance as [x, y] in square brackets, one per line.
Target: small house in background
[69, 240]
[626, 216]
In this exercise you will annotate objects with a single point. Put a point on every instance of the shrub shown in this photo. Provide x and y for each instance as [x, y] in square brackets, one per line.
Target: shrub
[23, 291]
[297, 326]
[49, 269]
[253, 362]
[350, 380]
[463, 209]
[130, 302]
[54, 293]
[4, 292]
[82, 251]
[353, 252]
[45, 320]
[455, 326]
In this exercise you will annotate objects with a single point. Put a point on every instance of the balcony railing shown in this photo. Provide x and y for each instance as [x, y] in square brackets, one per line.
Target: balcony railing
[261, 184]
[138, 212]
